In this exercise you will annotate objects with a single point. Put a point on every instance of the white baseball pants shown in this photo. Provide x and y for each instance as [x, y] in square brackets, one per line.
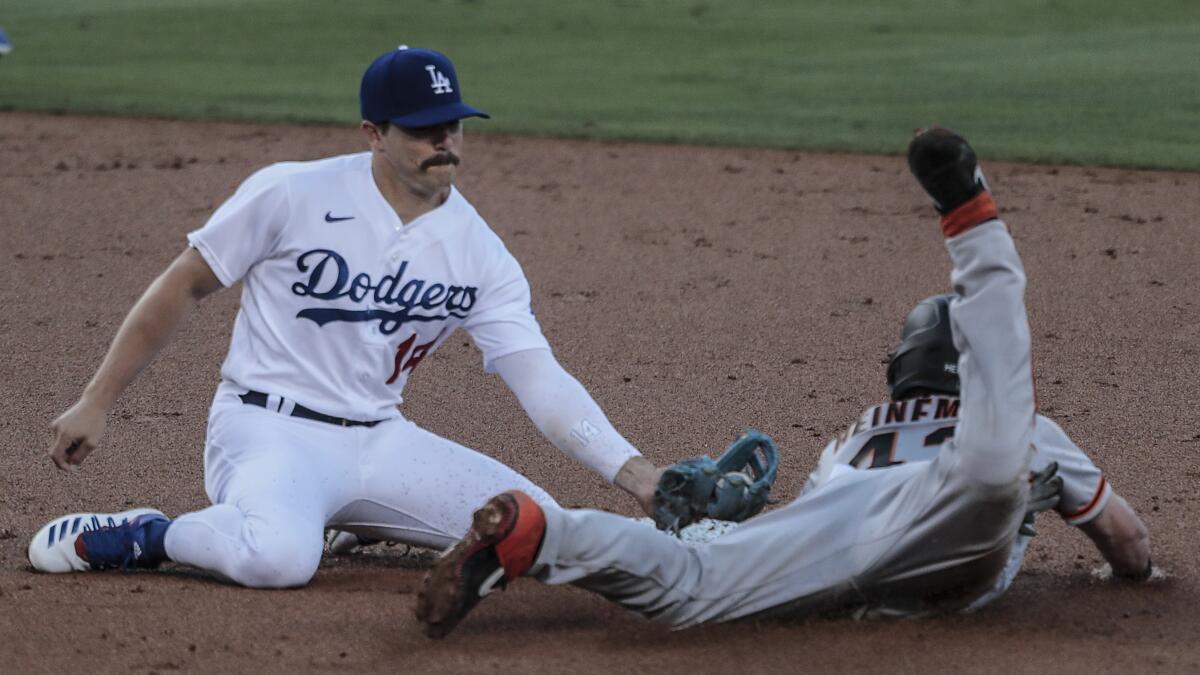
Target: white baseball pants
[276, 482]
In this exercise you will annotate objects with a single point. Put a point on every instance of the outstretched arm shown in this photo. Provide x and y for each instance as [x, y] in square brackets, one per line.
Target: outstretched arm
[146, 329]
[568, 416]
[1089, 503]
[1122, 539]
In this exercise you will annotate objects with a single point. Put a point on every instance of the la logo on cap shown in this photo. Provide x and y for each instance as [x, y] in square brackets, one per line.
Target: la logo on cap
[413, 88]
[440, 83]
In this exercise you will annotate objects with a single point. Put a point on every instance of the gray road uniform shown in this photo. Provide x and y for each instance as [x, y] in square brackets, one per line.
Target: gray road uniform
[920, 537]
[903, 432]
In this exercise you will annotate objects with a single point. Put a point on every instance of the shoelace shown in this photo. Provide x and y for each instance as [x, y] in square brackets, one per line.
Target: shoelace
[111, 546]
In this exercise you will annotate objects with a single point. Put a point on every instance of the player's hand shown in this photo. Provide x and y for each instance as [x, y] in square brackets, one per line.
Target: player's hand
[76, 433]
[646, 500]
[1045, 491]
[638, 477]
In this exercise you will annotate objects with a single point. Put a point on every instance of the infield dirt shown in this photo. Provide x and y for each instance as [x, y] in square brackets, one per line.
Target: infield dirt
[694, 291]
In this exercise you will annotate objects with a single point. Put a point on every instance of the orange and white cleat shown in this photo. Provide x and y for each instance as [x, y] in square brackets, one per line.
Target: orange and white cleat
[501, 545]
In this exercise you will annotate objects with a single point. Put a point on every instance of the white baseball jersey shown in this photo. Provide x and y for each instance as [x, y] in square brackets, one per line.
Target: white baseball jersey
[342, 300]
[913, 430]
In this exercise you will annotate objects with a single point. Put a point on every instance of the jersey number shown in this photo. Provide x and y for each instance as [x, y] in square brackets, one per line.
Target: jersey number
[881, 449]
[419, 352]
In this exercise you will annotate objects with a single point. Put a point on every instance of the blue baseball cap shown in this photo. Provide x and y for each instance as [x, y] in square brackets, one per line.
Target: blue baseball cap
[413, 88]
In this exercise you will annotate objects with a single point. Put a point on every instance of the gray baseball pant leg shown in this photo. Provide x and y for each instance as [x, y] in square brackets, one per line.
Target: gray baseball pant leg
[906, 540]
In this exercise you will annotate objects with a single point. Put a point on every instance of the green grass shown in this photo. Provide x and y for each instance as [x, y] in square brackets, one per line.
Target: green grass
[1083, 81]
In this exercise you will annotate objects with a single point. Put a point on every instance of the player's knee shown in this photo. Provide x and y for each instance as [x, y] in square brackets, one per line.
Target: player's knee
[280, 561]
[279, 570]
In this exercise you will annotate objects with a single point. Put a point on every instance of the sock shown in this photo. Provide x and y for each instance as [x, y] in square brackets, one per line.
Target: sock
[156, 535]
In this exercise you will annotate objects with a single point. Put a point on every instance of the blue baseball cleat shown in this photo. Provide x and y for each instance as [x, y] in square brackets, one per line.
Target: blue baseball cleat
[5, 43]
[82, 542]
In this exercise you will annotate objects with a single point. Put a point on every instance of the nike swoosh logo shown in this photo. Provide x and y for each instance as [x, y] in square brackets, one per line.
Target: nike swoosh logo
[330, 218]
[489, 584]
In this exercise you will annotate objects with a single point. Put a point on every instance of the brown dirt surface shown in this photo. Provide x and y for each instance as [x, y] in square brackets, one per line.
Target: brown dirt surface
[694, 291]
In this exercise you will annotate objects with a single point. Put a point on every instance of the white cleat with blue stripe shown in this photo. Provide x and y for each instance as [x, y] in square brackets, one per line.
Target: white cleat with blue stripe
[53, 549]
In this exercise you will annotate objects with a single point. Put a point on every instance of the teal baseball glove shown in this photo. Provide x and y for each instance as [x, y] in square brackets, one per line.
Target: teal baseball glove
[734, 487]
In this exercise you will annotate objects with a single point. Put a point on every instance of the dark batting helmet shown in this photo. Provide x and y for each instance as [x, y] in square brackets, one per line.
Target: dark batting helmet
[926, 359]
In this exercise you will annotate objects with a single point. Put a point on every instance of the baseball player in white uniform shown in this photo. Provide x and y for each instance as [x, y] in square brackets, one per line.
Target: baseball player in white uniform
[914, 511]
[354, 269]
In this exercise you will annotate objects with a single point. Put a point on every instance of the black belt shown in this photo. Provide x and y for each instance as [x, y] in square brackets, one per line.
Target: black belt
[260, 399]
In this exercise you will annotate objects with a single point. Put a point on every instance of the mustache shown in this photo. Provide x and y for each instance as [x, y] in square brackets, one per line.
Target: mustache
[440, 159]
